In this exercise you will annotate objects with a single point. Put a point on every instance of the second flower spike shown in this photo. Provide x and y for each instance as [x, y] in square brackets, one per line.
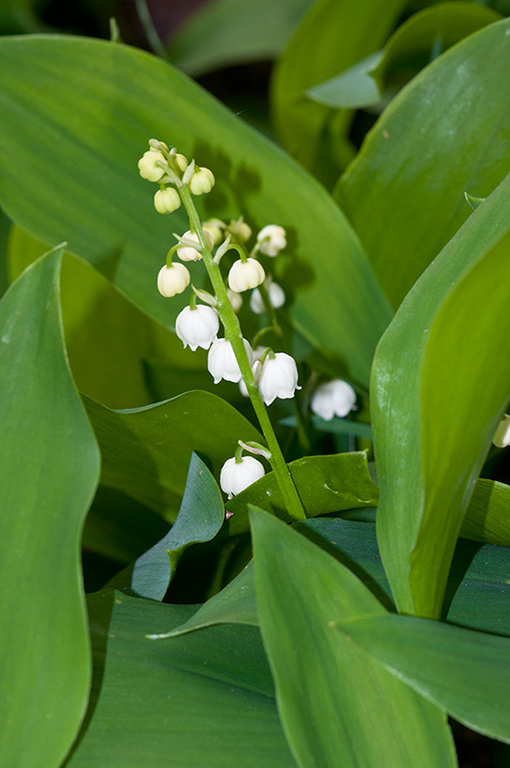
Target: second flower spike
[197, 327]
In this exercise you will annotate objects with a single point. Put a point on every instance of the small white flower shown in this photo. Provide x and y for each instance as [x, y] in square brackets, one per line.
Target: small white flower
[240, 229]
[276, 298]
[244, 275]
[278, 378]
[167, 200]
[188, 252]
[335, 398]
[202, 181]
[147, 165]
[173, 280]
[272, 240]
[197, 327]
[222, 362]
[235, 299]
[502, 437]
[236, 476]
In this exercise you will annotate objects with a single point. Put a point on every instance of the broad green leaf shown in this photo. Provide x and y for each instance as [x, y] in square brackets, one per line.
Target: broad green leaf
[441, 380]
[236, 33]
[146, 451]
[200, 518]
[414, 45]
[466, 673]
[477, 594]
[335, 426]
[205, 700]
[446, 133]
[50, 467]
[86, 109]
[337, 706]
[324, 483]
[332, 37]
[488, 514]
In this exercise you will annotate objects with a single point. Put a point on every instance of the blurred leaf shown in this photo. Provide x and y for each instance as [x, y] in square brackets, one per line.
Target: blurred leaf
[17, 17]
[488, 514]
[332, 37]
[160, 702]
[466, 673]
[86, 109]
[441, 380]
[200, 518]
[324, 483]
[335, 426]
[372, 718]
[146, 451]
[414, 45]
[236, 33]
[50, 468]
[446, 133]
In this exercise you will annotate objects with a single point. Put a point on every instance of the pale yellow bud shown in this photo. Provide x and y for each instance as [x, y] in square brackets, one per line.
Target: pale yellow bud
[215, 228]
[173, 280]
[240, 229]
[147, 165]
[181, 161]
[201, 182]
[167, 200]
[244, 275]
[190, 252]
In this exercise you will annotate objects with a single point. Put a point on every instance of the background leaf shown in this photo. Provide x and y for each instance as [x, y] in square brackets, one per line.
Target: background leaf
[445, 134]
[488, 514]
[441, 380]
[50, 467]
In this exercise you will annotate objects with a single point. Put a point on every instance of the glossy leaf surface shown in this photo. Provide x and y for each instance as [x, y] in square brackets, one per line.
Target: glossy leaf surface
[50, 467]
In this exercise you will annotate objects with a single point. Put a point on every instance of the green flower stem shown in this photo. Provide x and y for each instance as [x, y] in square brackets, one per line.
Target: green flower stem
[234, 334]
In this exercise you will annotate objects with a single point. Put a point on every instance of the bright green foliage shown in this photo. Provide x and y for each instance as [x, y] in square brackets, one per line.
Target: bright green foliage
[372, 719]
[467, 673]
[50, 468]
[441, 380]
[488, 515]
[445, 134]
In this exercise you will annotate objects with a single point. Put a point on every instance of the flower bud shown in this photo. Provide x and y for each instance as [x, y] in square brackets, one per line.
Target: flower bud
[236, 476]
[215, 228]
[276, 297]
[148, 168]
[278, 378]
[188, 252]
[173, 280]
[181, 162]
[502, 437]
[167, 200]
[236, 300]
[197, 327]
[244, 275]
[222, 362]
[201, 182]
[335, 398]
[271, 240]
[240, 230]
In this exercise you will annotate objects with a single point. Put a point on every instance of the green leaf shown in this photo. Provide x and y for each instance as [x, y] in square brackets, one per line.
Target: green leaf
[414, 45]
[50, 467]
[332, 37]
[236, 33]
[160, 702]
[146, 451]
[488, 514]
[86, 109]
[441, 380]
[466, 673]
[404, 193]
[335, 426]
[325, 484]
[200, 518]
[372, 719]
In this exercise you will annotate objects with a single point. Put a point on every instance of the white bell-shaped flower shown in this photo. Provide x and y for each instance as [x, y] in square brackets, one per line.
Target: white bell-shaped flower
[502, 437]
[244, 275]
[276, 297]
[202, 181]
[167, 200]
[188, 252]
[272, 239]
[236, 476]
[197, 327]
[222, 362]
[335, 398]
[147, 165]
[278, 378]
[173, 280]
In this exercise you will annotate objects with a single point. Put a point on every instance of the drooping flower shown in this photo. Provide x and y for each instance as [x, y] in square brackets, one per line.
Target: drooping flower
[335, 398]
[244, 275]
[278, 378]
[167, 200]
[189, 252]
[272, 239]
[202, 181]
[197, 327]
[222, 362]
[173, 280]
[502, 437]
[235, 476]
[276, 297]
[147, 165]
